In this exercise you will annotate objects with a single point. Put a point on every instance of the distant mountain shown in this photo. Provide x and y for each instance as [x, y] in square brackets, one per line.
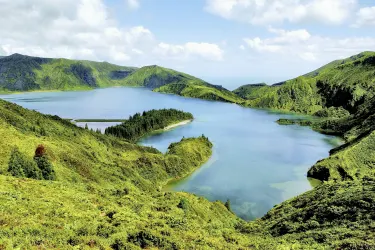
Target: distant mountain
[340, 84]
[25, 73]
[165, 80]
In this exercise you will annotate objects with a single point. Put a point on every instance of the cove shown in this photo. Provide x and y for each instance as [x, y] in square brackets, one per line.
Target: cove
[256, 163]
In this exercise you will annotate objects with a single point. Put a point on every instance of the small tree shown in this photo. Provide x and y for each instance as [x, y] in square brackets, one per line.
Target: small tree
[40, 151]
[227, 205]
[86, 126]
[45, 167]
[15, 165]
[21, 166]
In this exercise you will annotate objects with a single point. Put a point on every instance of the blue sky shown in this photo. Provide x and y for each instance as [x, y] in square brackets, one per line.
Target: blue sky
[229, 42]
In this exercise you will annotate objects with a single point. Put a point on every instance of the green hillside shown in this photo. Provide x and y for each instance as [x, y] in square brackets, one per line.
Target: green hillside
[107, 194]
[345, 90]
[25, 73]
[165, 80]
[341, 84]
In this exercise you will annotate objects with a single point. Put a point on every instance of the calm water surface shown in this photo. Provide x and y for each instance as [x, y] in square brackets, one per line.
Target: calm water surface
[256, 162]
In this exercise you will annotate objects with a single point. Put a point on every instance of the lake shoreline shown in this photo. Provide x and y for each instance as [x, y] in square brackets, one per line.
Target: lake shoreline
[169, 127]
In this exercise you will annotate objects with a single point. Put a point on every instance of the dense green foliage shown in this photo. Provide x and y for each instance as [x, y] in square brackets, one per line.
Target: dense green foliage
[150, 121]
[20, 166]
[338, 216]
[24, 73]
[341, 84]
[165, 80]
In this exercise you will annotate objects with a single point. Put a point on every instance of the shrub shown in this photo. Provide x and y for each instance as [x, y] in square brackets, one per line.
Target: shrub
[45, 167]
[20, 166]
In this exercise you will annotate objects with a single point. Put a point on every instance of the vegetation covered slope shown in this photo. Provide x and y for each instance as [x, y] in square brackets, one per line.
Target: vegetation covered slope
[24, 73]
[165, 80]
[341, 84]
[333, 215]
[355, 159]
[139, 125]
[106, 193]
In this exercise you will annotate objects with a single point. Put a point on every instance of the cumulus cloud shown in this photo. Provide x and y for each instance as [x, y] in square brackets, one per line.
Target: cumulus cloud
[262, 12]
[84, 29]
[302, 45]
[207, 51]
[365, 17]
[79, 29]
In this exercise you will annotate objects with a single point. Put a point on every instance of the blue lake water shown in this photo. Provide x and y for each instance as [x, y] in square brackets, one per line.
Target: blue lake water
[256, 163]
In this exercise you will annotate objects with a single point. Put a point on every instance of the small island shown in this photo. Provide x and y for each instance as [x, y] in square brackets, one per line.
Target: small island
[140, 125]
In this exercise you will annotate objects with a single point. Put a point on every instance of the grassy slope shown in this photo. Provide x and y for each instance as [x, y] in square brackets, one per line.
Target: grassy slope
[335, 215]
[170, 81]
[108, 195]
[355, 159]
[24, 73]
[343, 83]
[107, 192]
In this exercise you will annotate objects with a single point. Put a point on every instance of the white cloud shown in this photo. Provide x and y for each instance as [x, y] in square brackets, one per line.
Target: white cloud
[365, 17]
[207, 51]
[242, 47]
[133, 4]
[80, 29]
[261, 12]
[301, 44]
[84, 29]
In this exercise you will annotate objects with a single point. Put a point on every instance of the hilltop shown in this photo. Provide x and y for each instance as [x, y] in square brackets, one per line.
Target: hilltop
[165, 80]
[25, 73]
[342, 84]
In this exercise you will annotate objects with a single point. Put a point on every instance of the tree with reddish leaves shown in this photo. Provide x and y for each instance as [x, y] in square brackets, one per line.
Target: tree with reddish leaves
[40, 151]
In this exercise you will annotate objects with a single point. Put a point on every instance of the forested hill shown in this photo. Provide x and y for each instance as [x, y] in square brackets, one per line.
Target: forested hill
[341, 84]
[165, 80]
[139, 125]
[25, 73]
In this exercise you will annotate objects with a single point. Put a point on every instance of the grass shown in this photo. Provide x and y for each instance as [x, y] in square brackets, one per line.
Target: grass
[165, 80]
[24, 73]
[343, 83]
[109, 193]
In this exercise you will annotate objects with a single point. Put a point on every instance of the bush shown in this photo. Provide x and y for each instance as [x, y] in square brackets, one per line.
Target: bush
[45, 167]
[20, 166]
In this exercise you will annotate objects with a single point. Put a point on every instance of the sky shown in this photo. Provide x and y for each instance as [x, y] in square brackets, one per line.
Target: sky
[229, 42]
